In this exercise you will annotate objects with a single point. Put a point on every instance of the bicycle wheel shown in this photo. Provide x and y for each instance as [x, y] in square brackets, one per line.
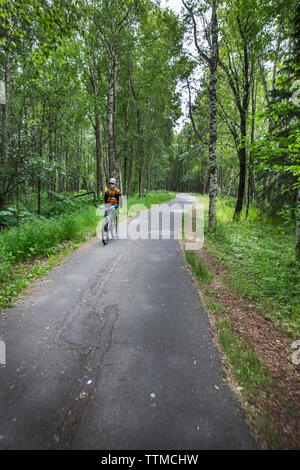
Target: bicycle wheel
[105, 230]
[114, 226]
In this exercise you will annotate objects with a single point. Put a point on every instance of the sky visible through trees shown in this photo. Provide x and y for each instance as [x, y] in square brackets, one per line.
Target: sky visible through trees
[182, 95]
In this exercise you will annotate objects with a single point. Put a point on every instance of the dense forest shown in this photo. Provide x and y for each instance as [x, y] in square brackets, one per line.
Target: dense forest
[194, 97]
[92, 89]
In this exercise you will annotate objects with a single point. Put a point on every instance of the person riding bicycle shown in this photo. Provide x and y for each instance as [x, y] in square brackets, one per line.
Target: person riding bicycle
[113, 195]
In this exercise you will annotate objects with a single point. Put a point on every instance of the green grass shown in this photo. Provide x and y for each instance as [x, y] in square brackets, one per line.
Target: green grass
[261, 266]
[50, 238]
[150, 198]
[198, 267]
[252, 378]
[250, 371]
[40, 237]
[22, 275]
[261, 261]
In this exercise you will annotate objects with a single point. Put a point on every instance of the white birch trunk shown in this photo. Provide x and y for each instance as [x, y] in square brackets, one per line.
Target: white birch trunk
[213, 177]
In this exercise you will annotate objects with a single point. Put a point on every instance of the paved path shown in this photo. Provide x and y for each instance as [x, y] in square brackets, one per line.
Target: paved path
[113, 351]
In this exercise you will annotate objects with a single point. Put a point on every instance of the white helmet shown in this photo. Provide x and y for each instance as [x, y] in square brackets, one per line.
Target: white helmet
[113, 180]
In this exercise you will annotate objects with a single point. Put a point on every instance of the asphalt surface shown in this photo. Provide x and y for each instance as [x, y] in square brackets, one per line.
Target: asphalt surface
[113, 350]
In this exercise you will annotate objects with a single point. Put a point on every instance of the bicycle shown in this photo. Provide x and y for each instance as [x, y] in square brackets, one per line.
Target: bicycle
[109, 224]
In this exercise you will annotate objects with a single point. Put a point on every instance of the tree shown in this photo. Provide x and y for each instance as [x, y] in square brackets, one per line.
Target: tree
[212, 62]
[240, 40]
[29, 33]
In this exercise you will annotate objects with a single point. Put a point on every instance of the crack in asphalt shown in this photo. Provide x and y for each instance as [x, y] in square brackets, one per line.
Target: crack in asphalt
[101, 323]
[86, 310]
[84, 392]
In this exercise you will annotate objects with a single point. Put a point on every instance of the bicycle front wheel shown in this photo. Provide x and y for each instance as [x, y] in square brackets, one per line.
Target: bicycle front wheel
[114, 227]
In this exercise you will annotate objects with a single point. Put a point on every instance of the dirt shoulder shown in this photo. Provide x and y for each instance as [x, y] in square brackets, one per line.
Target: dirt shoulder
[272, 346]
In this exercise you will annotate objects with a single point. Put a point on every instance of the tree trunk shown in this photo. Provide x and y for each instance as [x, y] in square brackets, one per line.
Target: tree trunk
[230, 178]
[279, 40]
[250, 169]
[77, 168]
[53, 174]
[130, 173]
[110, 117]
[141, 179]
[4, 156]
[242, 177]
[206, 186]
[41, 157]
[125, 174]
[50, 156]
[298, 227]
[4, 143]
[114, 167]
[84, 184]
[126, 159]
[61, 178]
[100, 178]
[213, 183]
[242, 98]
[148, 178]
[242, 152]
[265, 193]
[38, 176]
[140, 142]
[212, 62]
[69, 187]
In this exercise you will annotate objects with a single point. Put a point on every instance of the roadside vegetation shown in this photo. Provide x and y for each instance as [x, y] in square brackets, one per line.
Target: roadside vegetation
[249, 283]
[259, 252]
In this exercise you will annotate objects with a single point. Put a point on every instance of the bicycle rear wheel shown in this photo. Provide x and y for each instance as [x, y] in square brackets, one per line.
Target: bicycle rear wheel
[105, 229]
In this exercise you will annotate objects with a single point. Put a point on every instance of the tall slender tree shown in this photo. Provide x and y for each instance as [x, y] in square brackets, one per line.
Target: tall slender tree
[211, 59]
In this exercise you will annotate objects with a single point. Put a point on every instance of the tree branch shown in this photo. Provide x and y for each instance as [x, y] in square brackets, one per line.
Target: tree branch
[192, 118]
[200, 51]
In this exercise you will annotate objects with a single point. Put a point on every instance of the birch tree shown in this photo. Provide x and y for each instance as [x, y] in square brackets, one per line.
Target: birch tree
[211, 59]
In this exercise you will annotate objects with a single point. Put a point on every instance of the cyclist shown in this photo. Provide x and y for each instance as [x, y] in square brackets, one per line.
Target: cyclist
[113, 195]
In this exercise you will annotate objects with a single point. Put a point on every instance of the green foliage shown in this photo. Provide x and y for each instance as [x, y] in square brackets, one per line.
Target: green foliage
[198, 267]
[37, 237]
[11, 217]
[249, 370]
[58, 54]
[278, 152]
[56, 20]
[8, 218]
[261, 261]
[6, 261]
